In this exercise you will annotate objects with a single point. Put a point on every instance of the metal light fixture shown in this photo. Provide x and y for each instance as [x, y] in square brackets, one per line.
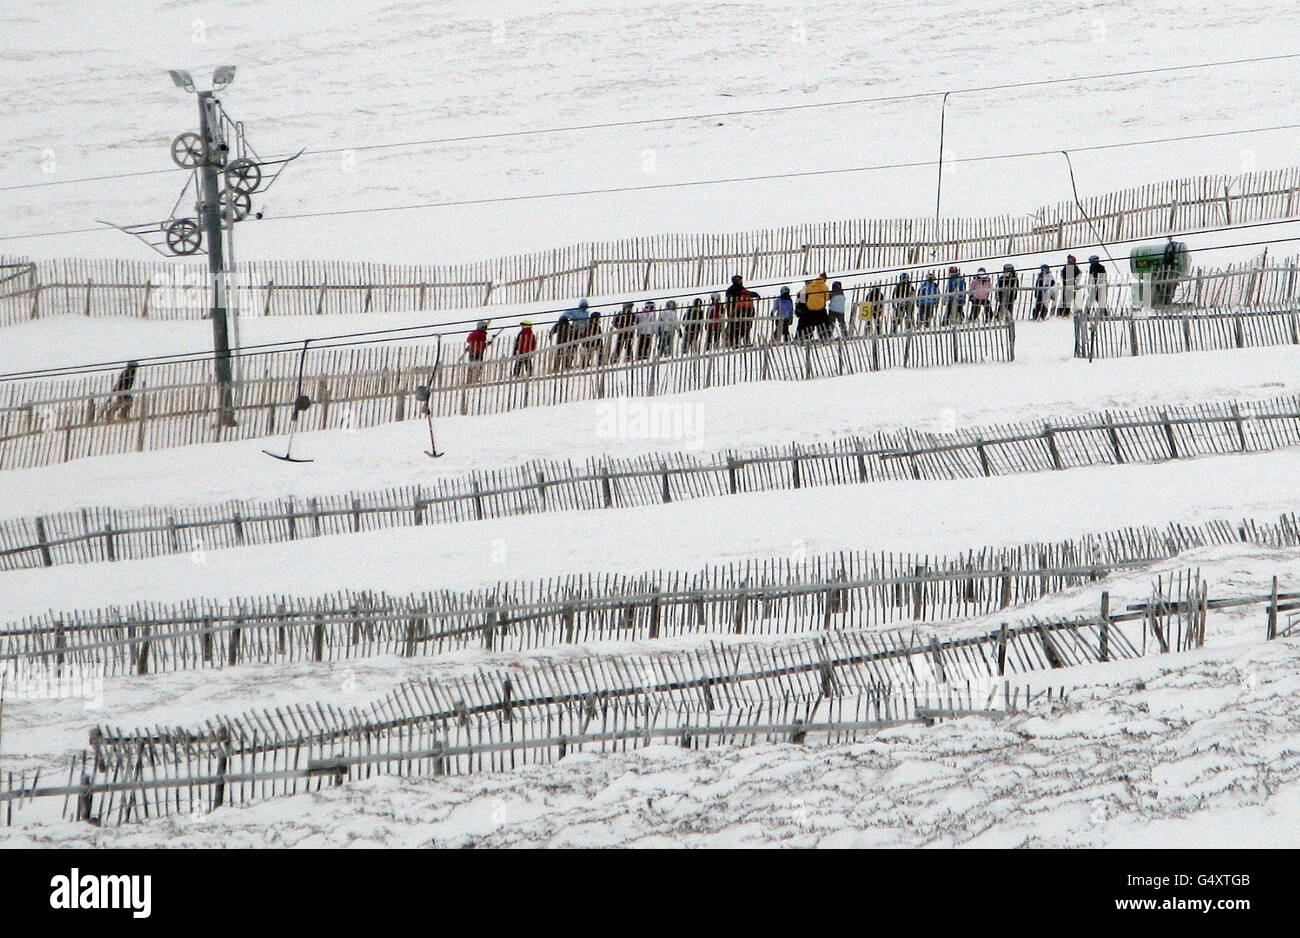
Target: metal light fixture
[182, 79]
[222, 76]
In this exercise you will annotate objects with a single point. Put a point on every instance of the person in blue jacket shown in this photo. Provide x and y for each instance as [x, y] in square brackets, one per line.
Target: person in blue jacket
[783, 313]
[927, 301]
[955, 294]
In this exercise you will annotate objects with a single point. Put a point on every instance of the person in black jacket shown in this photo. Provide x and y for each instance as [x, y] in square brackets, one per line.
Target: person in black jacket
[1071, 281]
[1008, 286]
[903, 303]
[120, 407]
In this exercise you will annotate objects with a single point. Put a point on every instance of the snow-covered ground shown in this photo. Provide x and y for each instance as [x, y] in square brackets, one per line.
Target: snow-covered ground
[1197, 748]
[1202, 751]
[85, 94]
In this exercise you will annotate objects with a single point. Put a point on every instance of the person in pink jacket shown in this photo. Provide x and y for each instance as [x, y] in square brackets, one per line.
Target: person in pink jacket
[981, 289]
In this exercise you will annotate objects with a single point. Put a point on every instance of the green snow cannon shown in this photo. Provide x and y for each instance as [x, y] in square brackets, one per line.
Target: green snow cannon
[1158, 268]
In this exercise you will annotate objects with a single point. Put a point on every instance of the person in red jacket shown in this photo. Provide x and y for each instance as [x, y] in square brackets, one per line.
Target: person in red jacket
[525, 344]
[475, 346]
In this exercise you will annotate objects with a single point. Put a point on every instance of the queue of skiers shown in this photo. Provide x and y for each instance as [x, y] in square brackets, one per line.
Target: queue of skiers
[818, 311]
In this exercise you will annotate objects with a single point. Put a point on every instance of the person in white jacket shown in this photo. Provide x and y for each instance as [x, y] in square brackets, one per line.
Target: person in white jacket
[669, 323]
[1096, 300]
[647, 324]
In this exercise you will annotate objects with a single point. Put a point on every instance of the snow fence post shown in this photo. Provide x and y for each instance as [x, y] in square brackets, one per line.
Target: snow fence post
[1103, 650]
[1272, 613]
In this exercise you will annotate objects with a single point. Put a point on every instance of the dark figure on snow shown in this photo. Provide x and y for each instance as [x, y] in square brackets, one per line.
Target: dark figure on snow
[736, 294]
[1097, 287]
[903, 304]
[592, 340]
[693, 327]
[1071, 280]
[120, 408]
[1007, 288]
[625, 329]
[1044, 286]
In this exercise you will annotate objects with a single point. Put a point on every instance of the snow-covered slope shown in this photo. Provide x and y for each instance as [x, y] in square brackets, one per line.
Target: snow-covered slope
[1202, 752]
[83, 92]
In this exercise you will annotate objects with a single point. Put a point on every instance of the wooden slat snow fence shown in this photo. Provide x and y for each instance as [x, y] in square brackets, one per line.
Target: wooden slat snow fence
[44, 422]
[661, 262]
[175, 774]
[1152, 434]
[1168, 333]
[843, 591]
[836, 592]
[842, 685]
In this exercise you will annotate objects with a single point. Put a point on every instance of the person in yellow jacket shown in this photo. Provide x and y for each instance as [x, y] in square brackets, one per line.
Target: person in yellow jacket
[816, 294]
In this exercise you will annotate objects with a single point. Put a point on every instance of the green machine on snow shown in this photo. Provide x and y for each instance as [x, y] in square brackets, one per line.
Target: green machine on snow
[1157, 269]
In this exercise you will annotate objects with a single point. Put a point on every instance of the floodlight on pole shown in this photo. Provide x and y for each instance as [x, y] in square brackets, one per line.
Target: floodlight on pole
[222, 76]
[182, 79]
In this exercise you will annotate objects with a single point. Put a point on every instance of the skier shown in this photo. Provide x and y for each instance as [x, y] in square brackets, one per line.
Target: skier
[475, 345]
[1007, 288]
[647, 325]
[782, 313]
[1071, 277]
[694, 325]
[562, 336]
[836, 304]
[816, 294]
[1096, 286]
[717, 323]
[981, 288]
[903, 303]
[624, 326]
[734, 293]
[525, 345]
[669, 323]
[120, 408]
[746, 306]
[1044, 286]
[871, 310]
[955, 294]
[593, 341]
[927, 301]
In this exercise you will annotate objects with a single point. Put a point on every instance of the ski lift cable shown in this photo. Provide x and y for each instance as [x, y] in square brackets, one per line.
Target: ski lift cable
[439, 330]
[740, 112]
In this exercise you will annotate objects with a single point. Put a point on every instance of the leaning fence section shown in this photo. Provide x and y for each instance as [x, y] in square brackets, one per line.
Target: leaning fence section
[1151, 434]
[841, 686]
[662, 262]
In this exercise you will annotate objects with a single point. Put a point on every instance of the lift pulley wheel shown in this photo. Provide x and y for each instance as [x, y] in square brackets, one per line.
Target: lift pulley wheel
[244, 175]
[236, 204]
[183, 236]
[187, 150]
